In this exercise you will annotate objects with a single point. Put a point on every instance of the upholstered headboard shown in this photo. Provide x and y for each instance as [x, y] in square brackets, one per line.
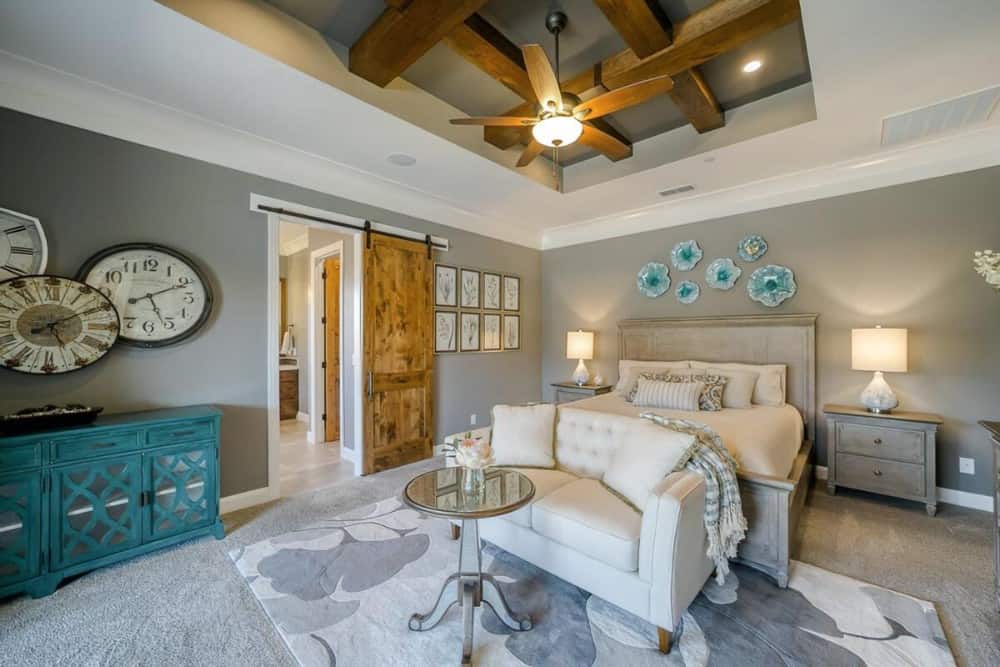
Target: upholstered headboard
[751, 339]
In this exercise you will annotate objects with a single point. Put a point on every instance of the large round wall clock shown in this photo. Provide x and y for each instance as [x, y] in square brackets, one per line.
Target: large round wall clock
[23, 250]
[161, 295]
[51, 325]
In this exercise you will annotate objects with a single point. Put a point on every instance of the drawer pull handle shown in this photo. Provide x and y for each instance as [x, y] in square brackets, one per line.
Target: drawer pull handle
[103, 445]
[878, 441]
[877, 472]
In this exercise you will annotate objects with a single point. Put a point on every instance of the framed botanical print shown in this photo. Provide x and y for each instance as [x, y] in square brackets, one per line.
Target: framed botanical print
[511, 293]
[445, 331]
[512, 332]
[470, 288]
[491, 291]
[491, 332]
[445, 285]
[470, 332]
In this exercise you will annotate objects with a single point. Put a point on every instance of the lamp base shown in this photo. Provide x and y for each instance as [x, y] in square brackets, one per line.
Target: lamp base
[878, 396]
[581, 374]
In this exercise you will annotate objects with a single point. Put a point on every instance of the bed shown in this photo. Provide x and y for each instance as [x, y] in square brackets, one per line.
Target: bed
[773, 445]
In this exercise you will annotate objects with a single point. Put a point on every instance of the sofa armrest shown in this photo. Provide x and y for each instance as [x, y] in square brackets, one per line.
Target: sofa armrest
[672, 546]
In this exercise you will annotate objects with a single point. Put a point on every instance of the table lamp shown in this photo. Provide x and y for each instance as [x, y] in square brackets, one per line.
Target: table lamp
[882, 351]
[580, 345]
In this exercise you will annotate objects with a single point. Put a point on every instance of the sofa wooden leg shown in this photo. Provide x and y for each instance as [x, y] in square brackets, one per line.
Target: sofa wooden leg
[665, 637]
[456, 531]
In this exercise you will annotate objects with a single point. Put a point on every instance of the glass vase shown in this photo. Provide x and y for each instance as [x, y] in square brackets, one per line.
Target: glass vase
[473, 481]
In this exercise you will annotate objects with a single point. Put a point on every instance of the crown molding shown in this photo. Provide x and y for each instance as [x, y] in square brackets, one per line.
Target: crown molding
[39, 90]
[974, 149]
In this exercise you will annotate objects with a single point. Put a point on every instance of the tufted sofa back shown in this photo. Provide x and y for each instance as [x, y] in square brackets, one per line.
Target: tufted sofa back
[586, 440]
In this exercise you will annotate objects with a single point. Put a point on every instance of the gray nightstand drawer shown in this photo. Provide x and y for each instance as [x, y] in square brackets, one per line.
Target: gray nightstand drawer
[882, 476]
[882, 442]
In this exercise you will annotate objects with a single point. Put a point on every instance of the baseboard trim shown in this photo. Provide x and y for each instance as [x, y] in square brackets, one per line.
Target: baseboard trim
[976, 501]
[302, 417]
[239, 501]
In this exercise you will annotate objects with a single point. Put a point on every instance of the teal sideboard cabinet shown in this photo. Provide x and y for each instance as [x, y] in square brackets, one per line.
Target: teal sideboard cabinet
[77, 499]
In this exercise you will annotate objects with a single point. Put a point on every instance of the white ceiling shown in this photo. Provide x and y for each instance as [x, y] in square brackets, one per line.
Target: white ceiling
[166, 81]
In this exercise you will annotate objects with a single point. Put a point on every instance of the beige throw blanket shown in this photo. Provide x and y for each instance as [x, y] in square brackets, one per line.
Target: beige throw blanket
[724, 520]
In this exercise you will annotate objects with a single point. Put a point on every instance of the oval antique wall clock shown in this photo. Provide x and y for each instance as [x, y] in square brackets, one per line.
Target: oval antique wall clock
[51, 325]
[161, 295]
[23, 249]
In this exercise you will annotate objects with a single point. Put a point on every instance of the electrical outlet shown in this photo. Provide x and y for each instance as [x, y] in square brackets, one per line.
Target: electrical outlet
[966, 466]
[472, 419]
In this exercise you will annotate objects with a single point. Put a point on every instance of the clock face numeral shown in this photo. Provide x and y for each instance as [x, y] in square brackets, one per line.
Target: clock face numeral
[51, 325]
[161, 295]
[23, 250]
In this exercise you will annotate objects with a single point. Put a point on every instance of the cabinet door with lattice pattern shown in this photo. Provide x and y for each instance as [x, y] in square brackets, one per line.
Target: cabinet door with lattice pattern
[20, 526]
[95, 509]
[181, 481]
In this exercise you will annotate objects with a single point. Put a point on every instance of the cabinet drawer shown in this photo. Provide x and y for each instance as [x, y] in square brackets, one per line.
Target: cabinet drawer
[183, 432]
[20, 456]
[88, 446]
[891, 477]
[885, 443]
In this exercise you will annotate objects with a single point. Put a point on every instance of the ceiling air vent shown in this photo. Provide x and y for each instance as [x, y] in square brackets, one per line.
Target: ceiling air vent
[947, 116]
[676, 191]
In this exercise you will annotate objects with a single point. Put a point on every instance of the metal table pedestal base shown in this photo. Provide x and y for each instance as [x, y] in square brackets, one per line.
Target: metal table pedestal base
[470, 588]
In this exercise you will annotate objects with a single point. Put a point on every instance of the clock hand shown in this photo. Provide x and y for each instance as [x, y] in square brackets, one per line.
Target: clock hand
[133, 300]
[38, 330]
[156, 310]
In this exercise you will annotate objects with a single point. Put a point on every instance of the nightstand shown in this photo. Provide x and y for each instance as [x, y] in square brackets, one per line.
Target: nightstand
[571, 391]
[892, 454]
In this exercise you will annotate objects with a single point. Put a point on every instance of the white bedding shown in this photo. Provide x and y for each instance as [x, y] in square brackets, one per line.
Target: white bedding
[763, 439]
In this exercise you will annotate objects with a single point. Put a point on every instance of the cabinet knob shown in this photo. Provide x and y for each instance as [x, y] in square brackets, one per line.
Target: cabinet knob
[878, 441]
[877, 472]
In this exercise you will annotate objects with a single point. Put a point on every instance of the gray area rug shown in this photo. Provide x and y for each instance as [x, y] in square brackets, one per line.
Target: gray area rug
[341, 591]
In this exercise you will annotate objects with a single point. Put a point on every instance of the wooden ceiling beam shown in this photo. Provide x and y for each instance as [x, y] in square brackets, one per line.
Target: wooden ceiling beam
[722, 26]
[647, 30]
[403, 32]
[487, 48]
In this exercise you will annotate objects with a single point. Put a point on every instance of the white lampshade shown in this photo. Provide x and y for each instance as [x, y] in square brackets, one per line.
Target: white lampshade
[557, 131]
[580, 345]
[878, 349]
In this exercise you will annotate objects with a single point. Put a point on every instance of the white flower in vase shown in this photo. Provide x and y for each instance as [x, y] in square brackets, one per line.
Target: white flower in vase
[474, 453]
[987, 264]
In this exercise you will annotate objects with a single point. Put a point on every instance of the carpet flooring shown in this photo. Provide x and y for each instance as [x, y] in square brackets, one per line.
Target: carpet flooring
[189, 606]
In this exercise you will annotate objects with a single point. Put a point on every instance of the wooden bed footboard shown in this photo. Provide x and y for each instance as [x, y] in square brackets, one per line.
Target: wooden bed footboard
[772, 507]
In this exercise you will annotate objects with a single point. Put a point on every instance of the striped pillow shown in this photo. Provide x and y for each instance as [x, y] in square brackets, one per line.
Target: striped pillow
[668, 395]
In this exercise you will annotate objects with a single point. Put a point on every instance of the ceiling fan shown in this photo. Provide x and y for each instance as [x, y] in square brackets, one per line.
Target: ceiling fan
[562, 117]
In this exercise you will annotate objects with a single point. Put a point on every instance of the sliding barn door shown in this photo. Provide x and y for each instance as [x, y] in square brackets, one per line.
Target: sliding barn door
[331, 340]
[398, 353]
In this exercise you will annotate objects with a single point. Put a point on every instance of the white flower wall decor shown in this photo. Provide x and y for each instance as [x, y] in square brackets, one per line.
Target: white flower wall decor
[987, 264]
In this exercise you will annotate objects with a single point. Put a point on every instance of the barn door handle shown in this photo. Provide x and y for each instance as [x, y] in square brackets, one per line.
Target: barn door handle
[877, 472]
[878, 441]
[371, 385]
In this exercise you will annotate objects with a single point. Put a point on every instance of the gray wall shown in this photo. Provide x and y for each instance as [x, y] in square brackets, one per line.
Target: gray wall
[899, 256]
[297, 315]
[92, 191]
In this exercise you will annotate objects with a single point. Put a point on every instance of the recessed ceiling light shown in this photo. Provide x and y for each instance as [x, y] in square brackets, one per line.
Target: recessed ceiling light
[402, 160]
[752, 66]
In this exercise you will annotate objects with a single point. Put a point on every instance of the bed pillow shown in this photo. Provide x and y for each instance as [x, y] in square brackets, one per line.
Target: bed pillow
[770, 387]
[738, 392]
[668, 395]
[644, 459]
[629, 370]
[524, 435]
[715, 386]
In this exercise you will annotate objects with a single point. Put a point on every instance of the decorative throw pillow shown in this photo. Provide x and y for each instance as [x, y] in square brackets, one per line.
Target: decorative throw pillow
[668, 395]
[629, 372]
[644, 375]
[711, 396]
[524, 435]
[770, 387]
[738, 392]
[640, 462]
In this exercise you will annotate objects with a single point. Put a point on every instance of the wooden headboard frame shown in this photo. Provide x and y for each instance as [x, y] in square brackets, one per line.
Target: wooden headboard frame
[750, 339]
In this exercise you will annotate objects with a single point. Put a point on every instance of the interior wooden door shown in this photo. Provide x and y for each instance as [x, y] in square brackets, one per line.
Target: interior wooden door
[331, 314]
[398, 353]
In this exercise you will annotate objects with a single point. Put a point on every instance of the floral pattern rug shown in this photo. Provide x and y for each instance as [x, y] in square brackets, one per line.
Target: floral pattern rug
[340, 593]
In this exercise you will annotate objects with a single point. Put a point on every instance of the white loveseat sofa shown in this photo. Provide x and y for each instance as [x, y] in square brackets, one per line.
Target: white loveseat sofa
[651, 564]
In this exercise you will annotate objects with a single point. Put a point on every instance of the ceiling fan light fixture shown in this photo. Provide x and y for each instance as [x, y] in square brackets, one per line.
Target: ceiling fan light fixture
[557, 131]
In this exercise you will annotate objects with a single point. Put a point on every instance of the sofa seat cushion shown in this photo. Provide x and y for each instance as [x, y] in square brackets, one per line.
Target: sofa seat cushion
[585, 516]
[545, 481]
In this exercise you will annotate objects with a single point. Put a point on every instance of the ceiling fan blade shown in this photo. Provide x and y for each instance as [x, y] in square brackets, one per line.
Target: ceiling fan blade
[495, 120]
[604, 143]
[622, 98]
[530, 153]
[543, 79]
